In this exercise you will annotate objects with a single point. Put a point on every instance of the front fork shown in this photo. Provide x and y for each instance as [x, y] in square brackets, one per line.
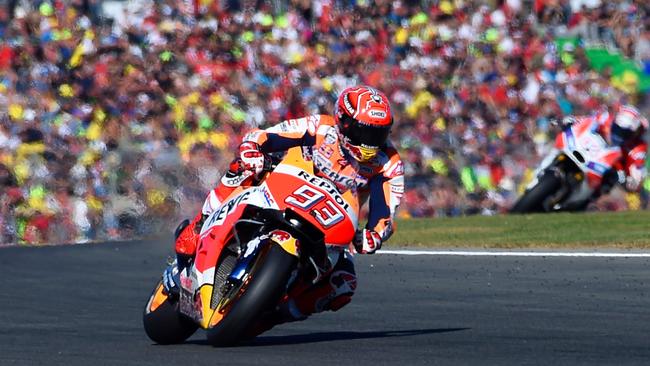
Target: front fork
[570, 179]
[546, 162]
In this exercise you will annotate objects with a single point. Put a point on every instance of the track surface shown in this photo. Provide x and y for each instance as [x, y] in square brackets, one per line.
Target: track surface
[82, 304]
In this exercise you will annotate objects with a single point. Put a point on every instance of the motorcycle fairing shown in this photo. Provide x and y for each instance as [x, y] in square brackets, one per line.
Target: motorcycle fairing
[583, 145]
[585, 149]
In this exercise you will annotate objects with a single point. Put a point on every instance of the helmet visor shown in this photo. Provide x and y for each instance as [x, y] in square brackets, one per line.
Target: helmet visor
[364, 134]
[619, 134]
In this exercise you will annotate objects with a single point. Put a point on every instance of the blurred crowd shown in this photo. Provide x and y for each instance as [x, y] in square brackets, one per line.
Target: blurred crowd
[116, 121]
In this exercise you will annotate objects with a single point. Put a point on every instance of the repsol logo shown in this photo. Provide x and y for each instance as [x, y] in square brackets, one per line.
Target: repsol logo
[327, 186]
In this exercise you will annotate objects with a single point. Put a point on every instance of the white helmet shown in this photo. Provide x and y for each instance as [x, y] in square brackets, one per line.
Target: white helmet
[627, 124]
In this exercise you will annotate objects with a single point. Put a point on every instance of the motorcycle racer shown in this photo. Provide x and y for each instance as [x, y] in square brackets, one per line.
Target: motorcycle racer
[351, 149]
[623, 128]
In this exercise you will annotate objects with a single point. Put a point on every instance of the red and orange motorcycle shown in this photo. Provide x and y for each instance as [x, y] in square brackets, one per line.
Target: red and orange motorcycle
[251, 249]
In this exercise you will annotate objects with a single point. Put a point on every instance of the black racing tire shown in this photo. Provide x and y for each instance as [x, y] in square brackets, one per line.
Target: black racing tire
[533, 199]
[268, 282]
[165, 324]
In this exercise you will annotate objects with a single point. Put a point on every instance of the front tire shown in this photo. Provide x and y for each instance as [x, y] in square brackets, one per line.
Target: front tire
[162, 321]
[268, 283]
[533, 199]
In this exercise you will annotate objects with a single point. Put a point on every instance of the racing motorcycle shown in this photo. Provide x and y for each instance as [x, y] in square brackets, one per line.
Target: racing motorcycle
[259, 242]
[580, 168]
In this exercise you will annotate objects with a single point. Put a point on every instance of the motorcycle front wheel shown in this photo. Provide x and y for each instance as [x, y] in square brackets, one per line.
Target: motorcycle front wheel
[533, 199]
[266, 285]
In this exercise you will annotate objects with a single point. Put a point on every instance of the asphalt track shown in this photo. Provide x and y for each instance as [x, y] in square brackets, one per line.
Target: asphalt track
[82, 305]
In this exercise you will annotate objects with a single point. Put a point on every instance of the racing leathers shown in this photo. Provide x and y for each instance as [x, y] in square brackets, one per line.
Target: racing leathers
[379, 181]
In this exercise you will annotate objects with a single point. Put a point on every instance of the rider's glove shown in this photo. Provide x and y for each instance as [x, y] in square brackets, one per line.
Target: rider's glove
[568, 121]
[367, 241]
[251, 157]
[634, 178]
[171, 279]
[564, 123]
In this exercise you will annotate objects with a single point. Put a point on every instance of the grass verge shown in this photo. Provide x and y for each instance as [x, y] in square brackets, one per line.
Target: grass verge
[620, 230]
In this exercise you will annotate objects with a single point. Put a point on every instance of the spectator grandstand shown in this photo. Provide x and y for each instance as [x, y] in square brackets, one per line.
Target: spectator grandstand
[117, 117]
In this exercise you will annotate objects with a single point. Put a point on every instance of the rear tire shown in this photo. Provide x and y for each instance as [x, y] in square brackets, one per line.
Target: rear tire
[533, 199]
[165, 324]
[267, 285]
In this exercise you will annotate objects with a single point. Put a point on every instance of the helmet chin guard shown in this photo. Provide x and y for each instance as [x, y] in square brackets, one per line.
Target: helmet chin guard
[361, 153]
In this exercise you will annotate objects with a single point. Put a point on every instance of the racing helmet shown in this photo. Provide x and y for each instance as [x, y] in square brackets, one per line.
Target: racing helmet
[628, 124]
[364, 121]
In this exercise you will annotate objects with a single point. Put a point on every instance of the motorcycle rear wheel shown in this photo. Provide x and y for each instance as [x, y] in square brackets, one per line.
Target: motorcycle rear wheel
[162, 321]
[268, 281]
[533, 199]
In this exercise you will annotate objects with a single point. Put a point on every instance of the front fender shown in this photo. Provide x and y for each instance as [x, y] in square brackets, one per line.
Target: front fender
[286, 241]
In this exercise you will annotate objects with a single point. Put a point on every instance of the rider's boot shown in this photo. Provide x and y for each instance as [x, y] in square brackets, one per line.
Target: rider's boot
[331, 292]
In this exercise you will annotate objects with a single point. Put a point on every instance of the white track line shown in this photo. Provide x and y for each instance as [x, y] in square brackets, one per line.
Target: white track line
[487, 253]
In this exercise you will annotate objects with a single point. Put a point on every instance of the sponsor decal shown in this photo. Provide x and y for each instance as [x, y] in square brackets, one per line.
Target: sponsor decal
[289, 126]
[397, 170]
[312, 124]
[330, 137]
[190, 305]
[325, 185]
[321, 161]
[348, 105]
[326, 151]
[236, 181]
[597, 168]
[377, 113]
[267, 197]
[307, 153]
[218, 217]
[280, 236]
[325, 168]
[253, 136]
